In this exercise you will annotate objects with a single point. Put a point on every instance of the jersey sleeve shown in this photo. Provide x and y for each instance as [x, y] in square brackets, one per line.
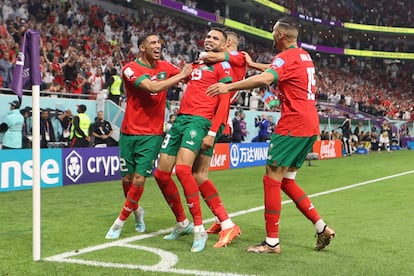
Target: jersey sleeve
[277, 68]
[224, 72]
[221, 114]
[131, 75]
[236, 59]
[172, 69]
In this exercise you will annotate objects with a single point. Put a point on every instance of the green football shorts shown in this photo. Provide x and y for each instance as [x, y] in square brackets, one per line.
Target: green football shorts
[138, 153]
[187, 131]
[288, 151]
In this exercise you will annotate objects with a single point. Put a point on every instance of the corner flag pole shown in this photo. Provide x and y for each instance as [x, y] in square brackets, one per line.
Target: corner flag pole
[27, 72]
[36, 173]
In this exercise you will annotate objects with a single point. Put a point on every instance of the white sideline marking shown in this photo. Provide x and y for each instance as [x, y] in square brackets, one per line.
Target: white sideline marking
[168, 259]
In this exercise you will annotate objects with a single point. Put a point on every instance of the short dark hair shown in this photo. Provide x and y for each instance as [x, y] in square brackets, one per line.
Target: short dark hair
[221, 31]
[82, 107]
[289, 22]
[144, 37]
[233, 33]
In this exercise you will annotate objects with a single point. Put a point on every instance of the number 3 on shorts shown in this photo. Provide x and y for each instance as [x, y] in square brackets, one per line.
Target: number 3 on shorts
[166, 141]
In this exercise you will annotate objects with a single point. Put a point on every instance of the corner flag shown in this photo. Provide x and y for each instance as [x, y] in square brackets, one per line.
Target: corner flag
[27, 69]
[25, 73]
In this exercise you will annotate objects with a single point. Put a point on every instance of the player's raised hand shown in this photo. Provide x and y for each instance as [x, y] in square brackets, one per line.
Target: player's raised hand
[248, 58]
[217, 88]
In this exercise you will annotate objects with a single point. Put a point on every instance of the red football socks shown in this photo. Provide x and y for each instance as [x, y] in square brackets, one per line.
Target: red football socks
[170, 193]
[131, 203]
[273, 206]
[213, 200]
[191, 192]
[302, 201]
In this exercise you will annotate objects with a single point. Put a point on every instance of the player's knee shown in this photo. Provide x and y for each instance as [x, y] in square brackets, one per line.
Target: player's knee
[161, 176]
[183, 171]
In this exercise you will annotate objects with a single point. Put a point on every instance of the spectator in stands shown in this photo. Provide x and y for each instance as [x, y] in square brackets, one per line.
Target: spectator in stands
[97, 82]
[170, 122]
[27, 127]
[13, 126]
[346, 135]
[114, 87]
[263, 124]
[6, 67]
[270, 127]
[385, 136]
[243, 126]
[101, 131]
[71, 69]
[236, 136]
[66, 122]
[77, 85]
[47, 133]
[79, 134]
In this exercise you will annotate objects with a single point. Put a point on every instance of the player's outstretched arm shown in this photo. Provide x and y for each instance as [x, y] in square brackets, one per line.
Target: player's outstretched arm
[263, 79]
[154, 87]
[255, 65]
[212, 57]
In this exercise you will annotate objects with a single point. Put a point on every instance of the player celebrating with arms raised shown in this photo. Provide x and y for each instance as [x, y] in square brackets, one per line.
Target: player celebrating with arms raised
[294, 73]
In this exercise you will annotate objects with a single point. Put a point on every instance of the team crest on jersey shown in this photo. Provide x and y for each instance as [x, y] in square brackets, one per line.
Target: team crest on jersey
[161, 76]
[193, 134]
[278, 62]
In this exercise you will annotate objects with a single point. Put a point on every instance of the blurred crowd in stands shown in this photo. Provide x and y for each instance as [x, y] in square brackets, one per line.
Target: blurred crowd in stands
[83, 46]
[371, 12]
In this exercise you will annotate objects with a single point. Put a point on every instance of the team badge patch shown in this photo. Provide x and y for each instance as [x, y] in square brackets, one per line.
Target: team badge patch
[162, 76]
[128, 72]
[278, 62]
[225, 65]
[193, 134]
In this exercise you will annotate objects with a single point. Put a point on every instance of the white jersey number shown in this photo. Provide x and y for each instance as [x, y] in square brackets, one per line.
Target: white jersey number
[311, 82]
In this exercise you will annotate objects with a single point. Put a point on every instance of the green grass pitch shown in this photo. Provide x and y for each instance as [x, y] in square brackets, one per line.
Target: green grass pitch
[367, 199]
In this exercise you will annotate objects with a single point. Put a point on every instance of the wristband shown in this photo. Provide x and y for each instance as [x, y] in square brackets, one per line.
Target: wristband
[211, 133]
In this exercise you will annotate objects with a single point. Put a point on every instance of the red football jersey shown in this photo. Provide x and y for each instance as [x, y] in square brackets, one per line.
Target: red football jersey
[195, 100]
[145, 112]
[296, 80]
[239, 68]
[238, 64]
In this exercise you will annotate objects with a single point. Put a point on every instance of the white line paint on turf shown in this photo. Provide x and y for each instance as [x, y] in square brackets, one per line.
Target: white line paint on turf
[168, 259]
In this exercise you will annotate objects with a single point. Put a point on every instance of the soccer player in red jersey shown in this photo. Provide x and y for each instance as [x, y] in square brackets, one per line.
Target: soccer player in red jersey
[192, 129]
[146, 80]
[292, 70]
[223, 225]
